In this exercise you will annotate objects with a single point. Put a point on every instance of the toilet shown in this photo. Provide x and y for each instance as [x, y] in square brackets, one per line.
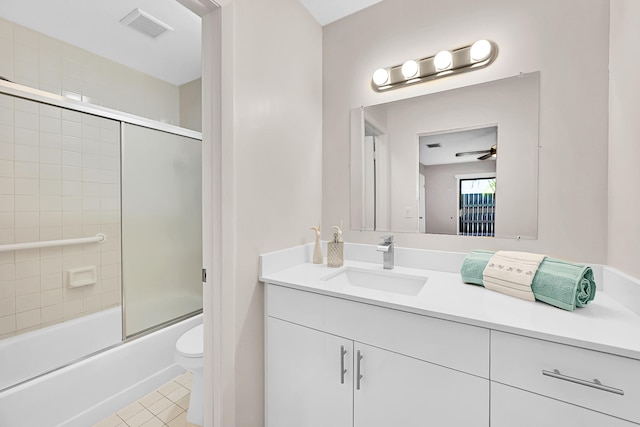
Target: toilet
[190, 355]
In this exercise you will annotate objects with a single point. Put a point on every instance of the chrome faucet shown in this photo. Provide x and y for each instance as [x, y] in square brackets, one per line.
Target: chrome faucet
[386, 247]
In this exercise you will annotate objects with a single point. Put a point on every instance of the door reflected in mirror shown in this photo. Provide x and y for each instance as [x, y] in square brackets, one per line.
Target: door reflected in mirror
[410, 160]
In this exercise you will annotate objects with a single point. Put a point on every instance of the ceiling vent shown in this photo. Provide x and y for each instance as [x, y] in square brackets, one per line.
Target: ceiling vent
[141, 21]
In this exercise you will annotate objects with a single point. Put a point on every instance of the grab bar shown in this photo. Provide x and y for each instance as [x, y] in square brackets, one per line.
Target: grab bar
[98, 238]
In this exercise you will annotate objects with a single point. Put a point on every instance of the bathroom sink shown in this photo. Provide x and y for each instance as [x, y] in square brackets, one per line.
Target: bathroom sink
[387, 281]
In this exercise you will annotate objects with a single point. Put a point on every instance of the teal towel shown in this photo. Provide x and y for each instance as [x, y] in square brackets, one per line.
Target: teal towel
[559, 283]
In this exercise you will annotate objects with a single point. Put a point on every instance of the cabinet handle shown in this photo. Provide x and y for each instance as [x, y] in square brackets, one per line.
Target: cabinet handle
[358, 375]
[595, 384]
[343, 371]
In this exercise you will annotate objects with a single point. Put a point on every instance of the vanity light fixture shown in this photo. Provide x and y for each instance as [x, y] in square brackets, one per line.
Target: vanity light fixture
[442, 60]
[445, 63]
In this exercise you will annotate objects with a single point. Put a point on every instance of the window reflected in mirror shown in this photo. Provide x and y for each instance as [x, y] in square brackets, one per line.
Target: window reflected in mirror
[457, 182]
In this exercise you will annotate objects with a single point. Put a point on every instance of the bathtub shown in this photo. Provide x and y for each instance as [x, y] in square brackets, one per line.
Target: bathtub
[85, 392]
[30, 354]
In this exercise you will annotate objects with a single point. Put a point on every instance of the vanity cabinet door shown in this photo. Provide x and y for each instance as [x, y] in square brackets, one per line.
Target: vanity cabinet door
[396, 390]
[305, 387]
[514, 407]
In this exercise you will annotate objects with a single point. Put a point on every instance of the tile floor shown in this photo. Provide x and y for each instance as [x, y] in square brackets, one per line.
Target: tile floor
[165, 407]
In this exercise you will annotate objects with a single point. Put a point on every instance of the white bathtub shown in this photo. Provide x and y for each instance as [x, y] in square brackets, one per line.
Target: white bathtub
[90, 390]
[30, 354]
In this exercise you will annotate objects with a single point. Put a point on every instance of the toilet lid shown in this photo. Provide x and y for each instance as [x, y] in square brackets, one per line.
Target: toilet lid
[191, 343]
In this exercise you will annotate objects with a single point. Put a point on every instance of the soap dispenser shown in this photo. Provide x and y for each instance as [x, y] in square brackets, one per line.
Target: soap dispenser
[317, 250]
[335, 249]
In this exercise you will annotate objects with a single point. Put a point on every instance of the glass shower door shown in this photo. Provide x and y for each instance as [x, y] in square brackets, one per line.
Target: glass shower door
[161, 227]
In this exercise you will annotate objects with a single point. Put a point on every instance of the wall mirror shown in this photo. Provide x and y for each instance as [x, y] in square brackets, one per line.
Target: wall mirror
[458, 162]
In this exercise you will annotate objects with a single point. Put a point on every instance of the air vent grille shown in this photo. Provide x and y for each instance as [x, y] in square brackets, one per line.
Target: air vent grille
[141, 21]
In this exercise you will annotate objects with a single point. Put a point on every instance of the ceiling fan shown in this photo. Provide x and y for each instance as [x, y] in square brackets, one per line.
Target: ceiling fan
[486, 154]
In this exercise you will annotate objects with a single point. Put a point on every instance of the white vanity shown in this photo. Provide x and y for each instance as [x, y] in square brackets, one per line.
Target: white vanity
[438, 352]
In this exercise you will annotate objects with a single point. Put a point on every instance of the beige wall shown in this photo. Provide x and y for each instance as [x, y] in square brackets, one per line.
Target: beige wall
[441, 202]
[624, 129]
[191, 105]
[559, 39]
[33, 59]
[272, 135]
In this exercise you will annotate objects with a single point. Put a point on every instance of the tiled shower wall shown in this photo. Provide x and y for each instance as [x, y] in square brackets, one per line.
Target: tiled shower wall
[33, 59]
[59, 179]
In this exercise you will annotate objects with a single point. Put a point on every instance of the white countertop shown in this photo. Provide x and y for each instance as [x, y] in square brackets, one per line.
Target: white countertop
[603, 325]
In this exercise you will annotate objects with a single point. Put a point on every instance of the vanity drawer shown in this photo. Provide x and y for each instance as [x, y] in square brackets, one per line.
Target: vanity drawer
[599, 381]
[451, 344]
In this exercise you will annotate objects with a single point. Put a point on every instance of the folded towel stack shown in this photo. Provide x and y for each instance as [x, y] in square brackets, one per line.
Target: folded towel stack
[559, 283]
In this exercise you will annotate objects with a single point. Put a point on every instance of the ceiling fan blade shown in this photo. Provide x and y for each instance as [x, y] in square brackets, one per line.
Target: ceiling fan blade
[486, 156]
[468, 153]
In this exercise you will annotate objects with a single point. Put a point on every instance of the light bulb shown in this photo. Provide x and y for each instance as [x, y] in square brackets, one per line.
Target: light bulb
[480, 50]
[442, 60]
[410, 69]
[380, 76]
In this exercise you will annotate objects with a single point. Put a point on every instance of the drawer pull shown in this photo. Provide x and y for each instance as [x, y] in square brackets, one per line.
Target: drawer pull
[342, 369]
[595, 384]
[358, 374]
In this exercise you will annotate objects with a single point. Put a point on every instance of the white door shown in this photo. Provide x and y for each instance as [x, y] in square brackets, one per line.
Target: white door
[306, 384]
[514, 407]
[396, 390]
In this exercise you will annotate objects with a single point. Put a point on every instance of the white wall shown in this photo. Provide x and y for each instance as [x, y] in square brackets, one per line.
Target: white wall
[559, 39]
[624, 129]
[272, 185]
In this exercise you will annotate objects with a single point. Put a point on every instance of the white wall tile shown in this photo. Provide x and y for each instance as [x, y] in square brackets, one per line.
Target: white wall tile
[26, 153]
[27, 169]
[72, 188]
[26, 120]
[50, 203]
[7, 306]
[50, 125]
[27, 235]
[27, 186]
[7, 237]
[52, 313]
[24, 136]
[7, 324]
[6, 168]
[27, 285]
[50, 188]
[7, 203]
[27, 203]
[92, 175]
[7, 221]
[7, 272]
[51, 111]
[51, 281]
[7, 186]
[6, 151]
[91, 203]
[27, 255]
[7, 289]
[50, 156]
[51, 266]
[71, 203]
[50, 172]
[27, 220]
[71, 128]
[71, 143]
[28, 319]
[26, 105]
[50, 140]
[27, 302]
[50, 233]
[50, 219]
[71, 173]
